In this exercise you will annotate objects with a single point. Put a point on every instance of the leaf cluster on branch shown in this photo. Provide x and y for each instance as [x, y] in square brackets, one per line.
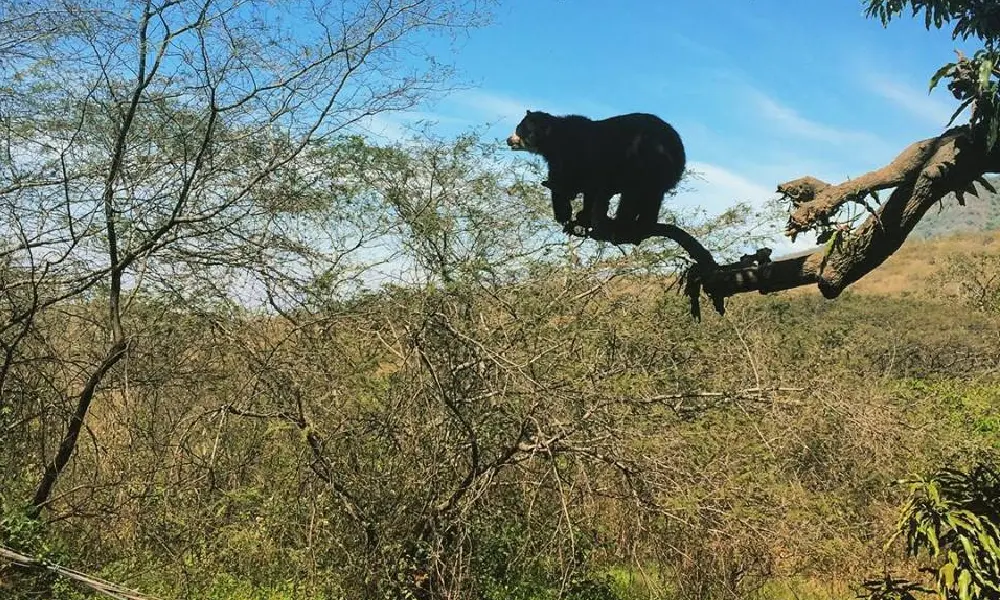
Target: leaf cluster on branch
[970, 18]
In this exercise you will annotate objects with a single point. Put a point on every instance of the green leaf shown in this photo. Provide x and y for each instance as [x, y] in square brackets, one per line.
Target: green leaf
[947, 574]
[959, 111]
[970, 552]
[933, 540]
[933, 493]
[991, 133]
[964, 580]
[985, 70]
[987, 542]
[832, 241]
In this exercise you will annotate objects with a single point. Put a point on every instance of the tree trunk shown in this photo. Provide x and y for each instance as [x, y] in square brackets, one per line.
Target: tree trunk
[55, 468]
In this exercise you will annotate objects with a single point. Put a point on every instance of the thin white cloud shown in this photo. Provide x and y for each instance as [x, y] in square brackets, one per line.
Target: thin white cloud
[387, 127]
[399, 126]
[791, 122]
[477, 105]
[717, 187]
[934, 111]
[490, 105]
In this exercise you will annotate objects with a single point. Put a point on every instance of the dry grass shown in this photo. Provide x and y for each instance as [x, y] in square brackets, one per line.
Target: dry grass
[911, 270]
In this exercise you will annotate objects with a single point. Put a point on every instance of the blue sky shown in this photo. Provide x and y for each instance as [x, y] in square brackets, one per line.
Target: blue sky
[762, 91]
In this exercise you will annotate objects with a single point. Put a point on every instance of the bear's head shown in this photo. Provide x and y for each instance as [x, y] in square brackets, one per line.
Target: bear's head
[531, 132]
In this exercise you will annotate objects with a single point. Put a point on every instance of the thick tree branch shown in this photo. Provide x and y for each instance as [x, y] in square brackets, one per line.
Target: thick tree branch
[921, 176]
[684, 239]
[815, 200]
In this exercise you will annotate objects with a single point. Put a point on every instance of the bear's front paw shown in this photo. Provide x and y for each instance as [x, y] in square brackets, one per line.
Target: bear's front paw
[574, 228]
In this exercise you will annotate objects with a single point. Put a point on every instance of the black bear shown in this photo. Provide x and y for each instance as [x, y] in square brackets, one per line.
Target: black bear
[637, 155]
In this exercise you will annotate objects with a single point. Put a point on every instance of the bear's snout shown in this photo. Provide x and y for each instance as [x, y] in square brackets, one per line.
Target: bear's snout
[515, 141]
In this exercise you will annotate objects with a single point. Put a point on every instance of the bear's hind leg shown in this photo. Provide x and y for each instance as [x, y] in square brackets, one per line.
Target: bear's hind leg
[594, 213]
[562, 206]
[631, 225]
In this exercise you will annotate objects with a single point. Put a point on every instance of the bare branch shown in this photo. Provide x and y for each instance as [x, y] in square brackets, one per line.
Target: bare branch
[101, 586]
[921, 176]
[68, 444]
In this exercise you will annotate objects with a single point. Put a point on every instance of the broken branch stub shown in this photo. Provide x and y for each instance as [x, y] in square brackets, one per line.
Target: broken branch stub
[815, 200]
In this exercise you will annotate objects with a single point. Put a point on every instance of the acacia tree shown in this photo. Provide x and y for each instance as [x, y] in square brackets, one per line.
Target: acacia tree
[919, 177]
[142, 139]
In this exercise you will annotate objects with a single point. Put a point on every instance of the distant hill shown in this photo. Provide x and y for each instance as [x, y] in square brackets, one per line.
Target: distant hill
[978, 215]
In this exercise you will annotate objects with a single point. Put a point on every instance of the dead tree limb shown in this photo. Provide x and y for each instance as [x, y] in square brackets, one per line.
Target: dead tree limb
[815, 200]
[921, 176]
[101, 586]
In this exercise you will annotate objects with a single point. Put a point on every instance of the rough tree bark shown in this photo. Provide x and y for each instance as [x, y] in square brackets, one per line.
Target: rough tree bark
[920, 176]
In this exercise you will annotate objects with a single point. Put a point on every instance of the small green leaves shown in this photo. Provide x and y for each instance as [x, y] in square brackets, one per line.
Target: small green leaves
[944, 71]
[955, 518]
[972, 80]
[985, 71]
[967, 19]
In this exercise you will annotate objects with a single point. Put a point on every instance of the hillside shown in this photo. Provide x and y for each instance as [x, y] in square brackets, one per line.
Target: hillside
[919, 267]
[980, 213]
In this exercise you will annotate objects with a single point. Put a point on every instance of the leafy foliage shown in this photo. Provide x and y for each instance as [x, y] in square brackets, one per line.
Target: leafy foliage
[972, 81]
[21, 532]
[955, 517]
[971, 18]
[890, 588]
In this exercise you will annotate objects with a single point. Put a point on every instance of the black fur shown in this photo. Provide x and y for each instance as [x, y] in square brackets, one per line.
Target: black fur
[637, 155]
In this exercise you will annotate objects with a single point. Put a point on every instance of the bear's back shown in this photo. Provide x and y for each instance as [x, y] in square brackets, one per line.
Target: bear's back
[628, 150]
[636, 124]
